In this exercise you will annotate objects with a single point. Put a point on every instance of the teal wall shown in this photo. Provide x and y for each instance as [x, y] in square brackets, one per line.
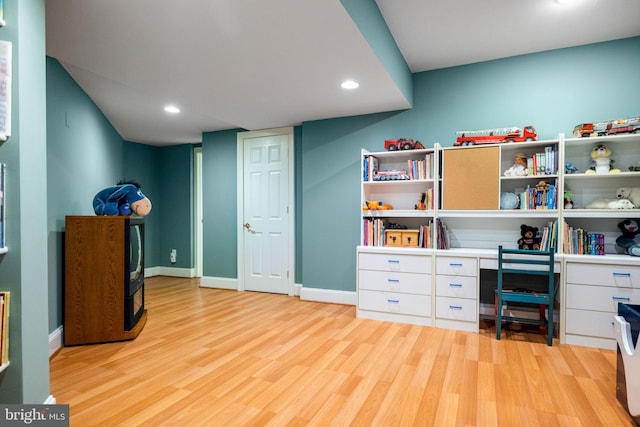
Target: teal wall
[23, 269]
[551, 90]
[219, 204]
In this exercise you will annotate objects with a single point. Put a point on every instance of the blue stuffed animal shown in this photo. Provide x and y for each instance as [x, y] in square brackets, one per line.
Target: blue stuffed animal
[122, 199]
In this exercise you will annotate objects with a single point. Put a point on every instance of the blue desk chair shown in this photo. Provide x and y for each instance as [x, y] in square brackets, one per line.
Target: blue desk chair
[525, 262]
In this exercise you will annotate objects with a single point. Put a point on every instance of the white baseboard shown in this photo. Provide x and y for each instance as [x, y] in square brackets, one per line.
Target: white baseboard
[55, 341]
[169, 271]
[219, 282]
[328, 295]
[50, 400]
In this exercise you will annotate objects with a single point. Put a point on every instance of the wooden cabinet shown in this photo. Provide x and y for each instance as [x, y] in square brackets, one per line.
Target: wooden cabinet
[97, 288]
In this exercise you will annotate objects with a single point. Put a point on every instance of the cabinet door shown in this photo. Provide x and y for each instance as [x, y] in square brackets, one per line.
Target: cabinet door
[471, 178]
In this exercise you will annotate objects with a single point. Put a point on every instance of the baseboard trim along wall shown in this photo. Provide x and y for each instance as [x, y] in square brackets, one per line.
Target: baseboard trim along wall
[55, 341]
[219, 282]
[169, 271]
[328, 295]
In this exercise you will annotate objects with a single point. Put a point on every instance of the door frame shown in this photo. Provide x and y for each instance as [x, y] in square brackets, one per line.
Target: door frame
[197, 165]
[290, 202]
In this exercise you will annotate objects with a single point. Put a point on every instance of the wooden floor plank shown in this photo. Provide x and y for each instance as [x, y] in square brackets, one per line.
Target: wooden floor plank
[221, 357]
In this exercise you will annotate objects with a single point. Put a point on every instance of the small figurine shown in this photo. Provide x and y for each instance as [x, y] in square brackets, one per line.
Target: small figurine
[568, 203]
[519, 167]
[421, 204]
[569, 168]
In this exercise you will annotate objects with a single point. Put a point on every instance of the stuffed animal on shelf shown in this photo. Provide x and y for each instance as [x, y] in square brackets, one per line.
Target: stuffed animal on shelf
[610, 204]
[630, 228]
[631, 193]
[124, 198]
[519, 167]
[529, 239]
[601, 160]
[568, 203]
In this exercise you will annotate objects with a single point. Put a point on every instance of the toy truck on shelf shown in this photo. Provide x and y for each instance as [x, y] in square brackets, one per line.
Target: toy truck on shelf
[495, 136]
[402, 144]
[611, 127]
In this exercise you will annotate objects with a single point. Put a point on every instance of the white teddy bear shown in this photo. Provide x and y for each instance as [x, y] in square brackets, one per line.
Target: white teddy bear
[610, 204]
[631, 193]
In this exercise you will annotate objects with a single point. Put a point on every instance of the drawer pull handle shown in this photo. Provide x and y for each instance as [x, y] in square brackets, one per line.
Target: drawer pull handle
[622, 274]
[393, 280]
[456, 264]
[455, 285]
[615, 298]
[395, 301]
[396, 261]
[455, 307]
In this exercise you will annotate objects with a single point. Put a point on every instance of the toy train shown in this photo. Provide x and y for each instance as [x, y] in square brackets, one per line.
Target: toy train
[611, 127]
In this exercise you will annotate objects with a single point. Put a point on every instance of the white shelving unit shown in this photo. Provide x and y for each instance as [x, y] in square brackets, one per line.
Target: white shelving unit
[586, 305]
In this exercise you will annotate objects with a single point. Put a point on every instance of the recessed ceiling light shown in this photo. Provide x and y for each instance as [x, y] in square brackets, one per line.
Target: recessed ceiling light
[171, 109]
[349, 84]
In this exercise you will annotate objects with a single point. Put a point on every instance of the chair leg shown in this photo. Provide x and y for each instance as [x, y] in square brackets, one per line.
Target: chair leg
[550, 326]
[543, 326]
[499, 318]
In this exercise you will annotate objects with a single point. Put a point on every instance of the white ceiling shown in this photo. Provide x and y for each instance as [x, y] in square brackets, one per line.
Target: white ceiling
[256, 64]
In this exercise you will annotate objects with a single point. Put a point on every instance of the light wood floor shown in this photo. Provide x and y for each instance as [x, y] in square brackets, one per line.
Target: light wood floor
[209, 357]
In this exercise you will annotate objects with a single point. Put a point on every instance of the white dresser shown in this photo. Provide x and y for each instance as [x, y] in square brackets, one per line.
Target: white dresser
[395, 285]
[457, 293]
[593, 291]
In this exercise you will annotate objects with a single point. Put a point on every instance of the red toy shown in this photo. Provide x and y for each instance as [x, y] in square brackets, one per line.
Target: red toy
[495, 136]
[402, 144]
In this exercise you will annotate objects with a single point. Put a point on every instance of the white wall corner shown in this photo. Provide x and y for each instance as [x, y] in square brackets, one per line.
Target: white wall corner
[328, 295]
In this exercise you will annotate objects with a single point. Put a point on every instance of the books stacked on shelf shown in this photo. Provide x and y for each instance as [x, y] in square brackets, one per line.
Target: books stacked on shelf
[425, 237]
[373, 231]
[543, 163]
[369, 168]
[4, 327]
[581, 242]
[421, 169]
[549, 237]
[540, 197]
[443, 234]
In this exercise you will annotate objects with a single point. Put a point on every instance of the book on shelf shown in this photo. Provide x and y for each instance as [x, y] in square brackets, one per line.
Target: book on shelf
[579, 241]
[549, 236]
[533, 198]
[369, 168]
[4, 327]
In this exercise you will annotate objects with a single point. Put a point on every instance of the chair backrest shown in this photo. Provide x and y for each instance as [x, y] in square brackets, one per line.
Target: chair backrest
[520, 261]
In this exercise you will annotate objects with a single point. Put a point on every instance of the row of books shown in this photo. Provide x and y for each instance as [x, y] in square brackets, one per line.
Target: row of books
[4, 327]
[582, 242]
[543, 163]
[421, 169]
[369, 168]
[533, 198]
[549, 237]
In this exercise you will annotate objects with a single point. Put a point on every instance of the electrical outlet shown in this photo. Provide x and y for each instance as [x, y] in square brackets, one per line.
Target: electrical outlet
[173, 255]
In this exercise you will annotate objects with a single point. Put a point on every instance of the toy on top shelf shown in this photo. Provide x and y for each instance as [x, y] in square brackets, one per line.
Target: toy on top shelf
[609, 127]
[402, 144]
[495, 136]
[570, 168]
[602, 162]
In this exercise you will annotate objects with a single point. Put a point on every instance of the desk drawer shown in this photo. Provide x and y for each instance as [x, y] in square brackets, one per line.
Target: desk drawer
[457, 266]
[395, 262]
[390, 302]
[590, 323]
[600, 298]
[456, 309]
[413, 283]
[456, 286]
[604, 275]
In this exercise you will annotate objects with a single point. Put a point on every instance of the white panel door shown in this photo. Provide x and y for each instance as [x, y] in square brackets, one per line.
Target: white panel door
[266, 218]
